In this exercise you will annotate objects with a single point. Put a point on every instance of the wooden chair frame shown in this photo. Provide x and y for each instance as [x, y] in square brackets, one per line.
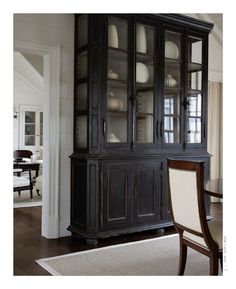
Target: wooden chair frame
[22, 154]
[213, 251]
[23, 188]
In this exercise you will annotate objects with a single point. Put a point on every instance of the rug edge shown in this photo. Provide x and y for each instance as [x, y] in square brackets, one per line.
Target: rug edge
[47, 267]
[104, 248]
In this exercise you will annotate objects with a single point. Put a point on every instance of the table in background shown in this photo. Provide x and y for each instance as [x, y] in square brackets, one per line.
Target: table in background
[214, 188]
[27, 166]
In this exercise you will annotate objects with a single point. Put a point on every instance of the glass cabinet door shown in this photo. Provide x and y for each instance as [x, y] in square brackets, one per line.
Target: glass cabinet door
[30, 128]
[81, 92]
[172, 87]
[41, 129]
[145, 83]
[194, 91]
[117, 82]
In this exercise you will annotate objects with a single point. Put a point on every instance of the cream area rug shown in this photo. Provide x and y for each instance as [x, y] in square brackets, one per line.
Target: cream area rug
[154, 257]
[25, 201]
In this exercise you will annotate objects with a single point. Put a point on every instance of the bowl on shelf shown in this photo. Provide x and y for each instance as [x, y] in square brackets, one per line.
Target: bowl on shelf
[111, 74]
[170, 81]
[112, 138]
[114, 103]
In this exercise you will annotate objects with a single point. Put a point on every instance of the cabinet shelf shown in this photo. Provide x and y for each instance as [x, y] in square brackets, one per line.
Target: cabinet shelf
[194, 67]
[194, 91]
[117, 113]
[143, 87]
[173, 90]
[117, 83]
[117, 54]
[147, 59]
[143, 115]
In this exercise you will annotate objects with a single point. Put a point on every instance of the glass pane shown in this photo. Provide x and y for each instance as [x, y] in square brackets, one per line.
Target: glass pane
[117, 33]
[171, 129]
[172, 57]
[30, 117]
[116, 128]
[172, 45]
[81, 97]
[144, 129]
[116, 97]
[145, 102]
[41, 129]
[82, 65]
[81, 131]
[29, 140]
[195, 50]
[144, 39]
[117, 65]
[30, 129]
[172, 104]
[82, 30]
[194, 130]
[41, 117]
[194, 105]
[195, 80]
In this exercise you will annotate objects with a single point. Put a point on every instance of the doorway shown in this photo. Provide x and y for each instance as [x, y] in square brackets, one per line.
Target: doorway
[28, 121]
[51, 132]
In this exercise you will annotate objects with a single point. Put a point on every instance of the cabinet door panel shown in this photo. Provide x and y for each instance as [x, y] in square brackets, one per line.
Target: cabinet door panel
[116, 196]
[146, 193]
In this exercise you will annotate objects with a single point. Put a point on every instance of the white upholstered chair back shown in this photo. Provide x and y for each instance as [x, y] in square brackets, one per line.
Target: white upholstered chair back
[184, 198]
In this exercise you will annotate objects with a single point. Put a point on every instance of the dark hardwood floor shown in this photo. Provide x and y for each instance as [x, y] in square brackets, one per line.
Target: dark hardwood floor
[29, 245]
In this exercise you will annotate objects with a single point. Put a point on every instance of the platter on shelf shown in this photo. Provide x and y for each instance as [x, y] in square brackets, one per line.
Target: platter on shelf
[171, 50]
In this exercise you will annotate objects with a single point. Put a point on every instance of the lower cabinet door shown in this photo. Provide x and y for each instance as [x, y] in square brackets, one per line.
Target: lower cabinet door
[147, 193]
[115, 196]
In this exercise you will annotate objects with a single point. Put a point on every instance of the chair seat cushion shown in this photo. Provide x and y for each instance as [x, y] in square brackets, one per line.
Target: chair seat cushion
[215, 228]
[20, 182]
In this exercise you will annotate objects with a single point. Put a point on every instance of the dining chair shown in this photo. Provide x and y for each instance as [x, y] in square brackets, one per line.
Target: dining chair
[187, 202]
[22, 154]
[21, 183]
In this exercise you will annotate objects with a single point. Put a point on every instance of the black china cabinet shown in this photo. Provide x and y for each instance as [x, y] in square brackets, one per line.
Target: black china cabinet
[140, 97]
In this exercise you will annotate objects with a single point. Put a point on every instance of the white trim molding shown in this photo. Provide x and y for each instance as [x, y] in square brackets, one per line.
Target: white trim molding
[51, 124]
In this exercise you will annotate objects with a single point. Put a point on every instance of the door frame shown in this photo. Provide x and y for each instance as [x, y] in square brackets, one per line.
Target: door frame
[51, 124]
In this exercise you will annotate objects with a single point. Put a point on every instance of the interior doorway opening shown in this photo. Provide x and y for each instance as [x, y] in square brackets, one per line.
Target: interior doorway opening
[51, 131]
[28, 123]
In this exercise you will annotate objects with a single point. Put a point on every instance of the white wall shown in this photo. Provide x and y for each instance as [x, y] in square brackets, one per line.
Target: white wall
[215, 62]
[58, 30]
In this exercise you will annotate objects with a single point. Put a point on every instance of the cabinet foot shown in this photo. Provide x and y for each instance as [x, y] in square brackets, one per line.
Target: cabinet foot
[92, 242]
[159, 231]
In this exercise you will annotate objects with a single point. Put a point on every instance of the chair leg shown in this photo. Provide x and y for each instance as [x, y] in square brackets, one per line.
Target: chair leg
[31, 194]
[182, 258]
[221, 261]
[213, 264]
